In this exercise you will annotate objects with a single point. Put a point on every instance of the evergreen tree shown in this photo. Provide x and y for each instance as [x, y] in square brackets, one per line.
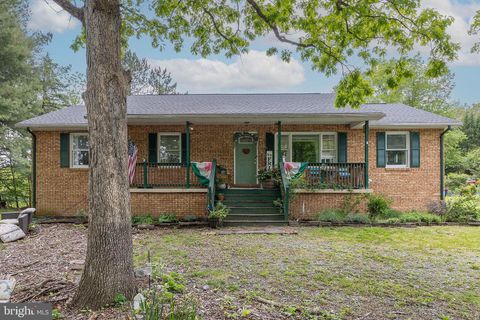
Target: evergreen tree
[145, 78]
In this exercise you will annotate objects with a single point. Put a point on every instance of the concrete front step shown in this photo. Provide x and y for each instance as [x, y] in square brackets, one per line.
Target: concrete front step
[254, 216]
[255, 223]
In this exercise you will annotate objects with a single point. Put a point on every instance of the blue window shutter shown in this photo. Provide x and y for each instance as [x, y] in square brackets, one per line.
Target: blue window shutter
[342, 147]
[270, 144]
[152, 147]
[64, 150]
[381, 154]
[414, 149]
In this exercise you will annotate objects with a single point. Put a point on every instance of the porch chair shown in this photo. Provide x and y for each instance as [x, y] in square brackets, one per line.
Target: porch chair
[21, 219]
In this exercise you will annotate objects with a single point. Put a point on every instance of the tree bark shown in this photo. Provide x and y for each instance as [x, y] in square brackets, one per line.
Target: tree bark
[109, 263]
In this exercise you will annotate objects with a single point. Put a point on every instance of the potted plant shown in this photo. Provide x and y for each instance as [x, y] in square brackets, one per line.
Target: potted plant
[221, 183]
[220, 196]
[269, 178]
[217, 215]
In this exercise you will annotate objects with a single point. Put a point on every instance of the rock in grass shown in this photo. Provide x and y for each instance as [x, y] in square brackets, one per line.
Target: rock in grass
[15, 233]
[6, 288]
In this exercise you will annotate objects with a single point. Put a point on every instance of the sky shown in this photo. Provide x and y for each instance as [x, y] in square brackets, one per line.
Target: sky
[254, 72]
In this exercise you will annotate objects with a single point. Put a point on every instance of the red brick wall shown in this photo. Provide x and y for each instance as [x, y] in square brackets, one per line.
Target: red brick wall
[63, 191]
[181, 204]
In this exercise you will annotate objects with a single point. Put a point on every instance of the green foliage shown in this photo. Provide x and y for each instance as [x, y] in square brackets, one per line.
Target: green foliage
[415, 217]
[475, 30]
[454, 154]
[334, 34]
[165, 306]
[471, 128]
[378, 206]
[147, 79]
[339, 216]
[416, 88]
[220, 212]
[464, 207]
[357, 218]
[331, 215]
[173, 282]
[56, 314]
[267, 174]
[119, 300]
[143, 219]
[31, 83]
[456, 181]
[167, 218]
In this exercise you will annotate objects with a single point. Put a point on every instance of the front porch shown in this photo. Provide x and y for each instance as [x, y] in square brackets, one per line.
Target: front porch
[237, 152]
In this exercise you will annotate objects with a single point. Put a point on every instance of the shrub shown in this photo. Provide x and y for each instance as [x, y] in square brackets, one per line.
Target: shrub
[420, 217]
[378, 206]
[357, 218]
[220, 212]
[331, 215]
[119, 300]
[463, 208]
[167, 218]
[455, 181]
[145, 219]
[438, 208]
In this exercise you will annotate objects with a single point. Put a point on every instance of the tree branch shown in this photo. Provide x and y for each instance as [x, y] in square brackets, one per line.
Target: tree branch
[72, 9]
[284, 39]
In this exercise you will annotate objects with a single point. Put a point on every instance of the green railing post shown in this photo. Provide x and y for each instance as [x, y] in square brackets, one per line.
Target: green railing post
[145, 174]
[187, 152]
[279, 139]
[366, 129]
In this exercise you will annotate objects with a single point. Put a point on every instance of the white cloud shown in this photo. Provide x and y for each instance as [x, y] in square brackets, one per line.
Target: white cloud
[48, 16]
[463, 13]
[252, 71]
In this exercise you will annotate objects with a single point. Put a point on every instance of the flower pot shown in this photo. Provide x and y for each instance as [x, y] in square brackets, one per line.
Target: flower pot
[220, 197]
[213, 223]
[268, 184]
[222, 186]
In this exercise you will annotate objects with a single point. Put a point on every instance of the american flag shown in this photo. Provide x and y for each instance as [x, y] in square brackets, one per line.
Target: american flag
[132, 160]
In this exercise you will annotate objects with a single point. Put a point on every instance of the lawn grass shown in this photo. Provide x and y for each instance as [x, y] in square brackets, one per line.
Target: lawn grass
[420, 273]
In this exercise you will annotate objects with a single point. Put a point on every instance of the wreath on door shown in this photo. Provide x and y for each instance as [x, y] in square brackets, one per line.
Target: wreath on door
[246, 150]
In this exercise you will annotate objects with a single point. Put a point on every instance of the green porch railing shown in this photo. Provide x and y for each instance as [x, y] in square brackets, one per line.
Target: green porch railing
[164, 175]
[285, 189]
[212, 186]
[335, 175]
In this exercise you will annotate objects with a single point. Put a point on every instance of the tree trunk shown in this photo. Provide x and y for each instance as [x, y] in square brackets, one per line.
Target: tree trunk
[109, 264]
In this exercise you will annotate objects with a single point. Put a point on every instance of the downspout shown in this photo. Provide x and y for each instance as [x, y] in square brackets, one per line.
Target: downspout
[442, 165]
[34, 168]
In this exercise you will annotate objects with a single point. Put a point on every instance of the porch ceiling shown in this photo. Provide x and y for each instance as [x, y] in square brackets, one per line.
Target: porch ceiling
[323, 118]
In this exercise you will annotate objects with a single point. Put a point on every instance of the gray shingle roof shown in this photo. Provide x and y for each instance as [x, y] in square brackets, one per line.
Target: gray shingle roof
[308, 104]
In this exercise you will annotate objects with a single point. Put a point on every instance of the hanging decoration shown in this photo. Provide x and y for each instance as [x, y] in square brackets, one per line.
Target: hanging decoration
[294, 170]
[203, 171]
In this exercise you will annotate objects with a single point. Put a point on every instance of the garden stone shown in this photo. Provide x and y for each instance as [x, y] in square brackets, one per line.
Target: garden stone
[145, 226]
[15, 234]
[7, 228]
[206, 287]
[137, 301]
[144, 272]
[6, 289]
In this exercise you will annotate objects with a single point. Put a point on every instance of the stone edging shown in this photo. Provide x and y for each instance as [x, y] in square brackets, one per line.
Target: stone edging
[388, 225]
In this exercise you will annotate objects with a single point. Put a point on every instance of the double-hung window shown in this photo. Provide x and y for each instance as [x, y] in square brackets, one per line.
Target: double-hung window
[169, 147]
[397, 149]
[79, 150]
[309, 147]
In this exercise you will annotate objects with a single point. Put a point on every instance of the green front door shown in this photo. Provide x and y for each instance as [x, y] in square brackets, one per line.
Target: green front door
[245, 161]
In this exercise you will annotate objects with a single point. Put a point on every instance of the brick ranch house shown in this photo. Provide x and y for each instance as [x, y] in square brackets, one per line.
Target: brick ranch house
[392, 149]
